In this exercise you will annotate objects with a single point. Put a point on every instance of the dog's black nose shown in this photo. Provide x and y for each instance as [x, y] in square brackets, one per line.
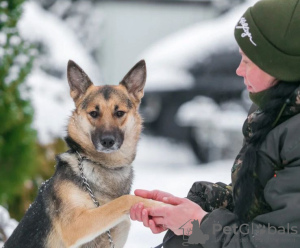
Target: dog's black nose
[107, 141]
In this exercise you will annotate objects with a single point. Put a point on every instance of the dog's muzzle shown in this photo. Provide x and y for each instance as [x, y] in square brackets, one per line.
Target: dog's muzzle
[108, 142]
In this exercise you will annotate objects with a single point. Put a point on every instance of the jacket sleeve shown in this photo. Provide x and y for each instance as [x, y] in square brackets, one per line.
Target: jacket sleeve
[281, 226]
[211, 196]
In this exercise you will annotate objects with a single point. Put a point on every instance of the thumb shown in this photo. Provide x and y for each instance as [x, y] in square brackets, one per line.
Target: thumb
[173, 200]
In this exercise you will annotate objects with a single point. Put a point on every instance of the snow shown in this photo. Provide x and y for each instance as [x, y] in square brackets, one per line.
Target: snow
[3, 18]
[226, 119]
[53, 105]
[6, 223]
[168, 166]
[58, 38]
[49, 93]
[160, 163]
[178, 52]
[2, 39]
[168, 78]
[15, 40]
[3, 4]
[220, 131]
[166, 61]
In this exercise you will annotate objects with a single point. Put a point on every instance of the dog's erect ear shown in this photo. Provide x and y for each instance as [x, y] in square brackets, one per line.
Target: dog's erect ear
[135, 80]
[78, 80]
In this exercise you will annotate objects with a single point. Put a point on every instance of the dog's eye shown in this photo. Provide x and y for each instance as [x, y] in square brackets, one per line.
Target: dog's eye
[94, 114]
[120, 113]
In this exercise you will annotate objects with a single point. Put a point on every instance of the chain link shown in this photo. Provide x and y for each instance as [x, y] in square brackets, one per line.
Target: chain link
[88, 188]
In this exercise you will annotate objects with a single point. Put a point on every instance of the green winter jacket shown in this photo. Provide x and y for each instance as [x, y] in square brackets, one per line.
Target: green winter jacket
[279, 174]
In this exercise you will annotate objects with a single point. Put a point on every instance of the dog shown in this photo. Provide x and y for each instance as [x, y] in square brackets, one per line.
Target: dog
[86, 202]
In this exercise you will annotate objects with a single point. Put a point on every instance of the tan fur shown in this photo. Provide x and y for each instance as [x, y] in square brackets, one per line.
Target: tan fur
[80, 221]
[103, 132]
[80, 126]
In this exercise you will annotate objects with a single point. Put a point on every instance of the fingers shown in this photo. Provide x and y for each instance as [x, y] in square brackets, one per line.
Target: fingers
[154, 194]
[159, 221]
[145, 217]
[173, 200]
[136, 211]
[156, 228]
[157, 211]
[132, 212]
[144, 193]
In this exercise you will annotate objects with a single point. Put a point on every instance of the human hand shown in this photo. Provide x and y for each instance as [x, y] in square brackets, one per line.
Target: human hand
[156, 195]
[137, 212]
[172, 216]
[177, 213]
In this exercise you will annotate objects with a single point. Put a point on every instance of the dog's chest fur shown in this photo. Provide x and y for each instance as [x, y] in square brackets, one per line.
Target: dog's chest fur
[106, 183]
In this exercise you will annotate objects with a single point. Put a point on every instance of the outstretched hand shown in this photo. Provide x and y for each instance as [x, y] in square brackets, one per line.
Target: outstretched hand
[171, 216]
[156, 195]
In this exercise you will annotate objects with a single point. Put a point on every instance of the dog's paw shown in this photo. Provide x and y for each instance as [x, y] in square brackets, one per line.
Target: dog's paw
[148, 203]
[131, 200]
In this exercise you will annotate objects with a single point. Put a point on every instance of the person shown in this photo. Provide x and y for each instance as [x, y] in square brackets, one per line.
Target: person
[260, 208]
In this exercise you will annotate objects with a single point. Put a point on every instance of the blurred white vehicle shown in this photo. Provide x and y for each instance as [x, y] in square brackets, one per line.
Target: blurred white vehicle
[198, 61]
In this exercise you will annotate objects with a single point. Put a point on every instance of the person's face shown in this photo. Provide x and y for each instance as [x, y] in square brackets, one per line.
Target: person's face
[255, 79]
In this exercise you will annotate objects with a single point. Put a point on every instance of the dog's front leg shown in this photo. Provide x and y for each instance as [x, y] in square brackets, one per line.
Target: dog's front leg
[87, 224]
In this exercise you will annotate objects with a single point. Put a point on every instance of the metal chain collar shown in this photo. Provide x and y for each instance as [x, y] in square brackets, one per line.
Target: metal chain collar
[88, 188]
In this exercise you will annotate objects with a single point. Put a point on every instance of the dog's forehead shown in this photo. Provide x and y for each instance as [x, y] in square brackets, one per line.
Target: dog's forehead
[107, 93]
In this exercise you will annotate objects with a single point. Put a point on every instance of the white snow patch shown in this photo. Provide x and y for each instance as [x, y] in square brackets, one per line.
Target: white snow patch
[216, 127]
[3, 39]
[53, 105]
[204, 111]
[38, 25]
[6, 223]
[162, 151]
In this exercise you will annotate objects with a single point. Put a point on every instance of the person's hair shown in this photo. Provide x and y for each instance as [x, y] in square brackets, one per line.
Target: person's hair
[244, 191]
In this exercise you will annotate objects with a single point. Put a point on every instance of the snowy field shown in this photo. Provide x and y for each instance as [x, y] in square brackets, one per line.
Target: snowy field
[171, 167]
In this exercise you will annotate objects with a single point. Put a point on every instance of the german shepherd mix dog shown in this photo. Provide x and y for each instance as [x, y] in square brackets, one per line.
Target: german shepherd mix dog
[103, 132]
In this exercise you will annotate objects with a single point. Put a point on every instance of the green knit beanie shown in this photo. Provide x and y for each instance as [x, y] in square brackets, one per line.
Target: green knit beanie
[269, 34]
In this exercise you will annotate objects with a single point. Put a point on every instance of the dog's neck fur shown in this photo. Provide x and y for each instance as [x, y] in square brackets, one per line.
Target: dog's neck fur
[107, 183]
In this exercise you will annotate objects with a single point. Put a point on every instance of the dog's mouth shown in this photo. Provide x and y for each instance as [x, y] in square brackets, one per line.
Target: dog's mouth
[106, 150]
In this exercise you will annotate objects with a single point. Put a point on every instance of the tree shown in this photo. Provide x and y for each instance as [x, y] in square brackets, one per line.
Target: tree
[17, 137]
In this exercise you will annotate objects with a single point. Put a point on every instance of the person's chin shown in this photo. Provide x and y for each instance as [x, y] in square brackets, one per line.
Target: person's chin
[250, 89]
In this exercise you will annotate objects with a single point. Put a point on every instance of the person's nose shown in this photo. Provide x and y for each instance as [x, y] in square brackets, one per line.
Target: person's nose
[240, 70]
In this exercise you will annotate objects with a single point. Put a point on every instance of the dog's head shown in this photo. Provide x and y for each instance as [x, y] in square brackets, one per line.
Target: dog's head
[106, 118]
